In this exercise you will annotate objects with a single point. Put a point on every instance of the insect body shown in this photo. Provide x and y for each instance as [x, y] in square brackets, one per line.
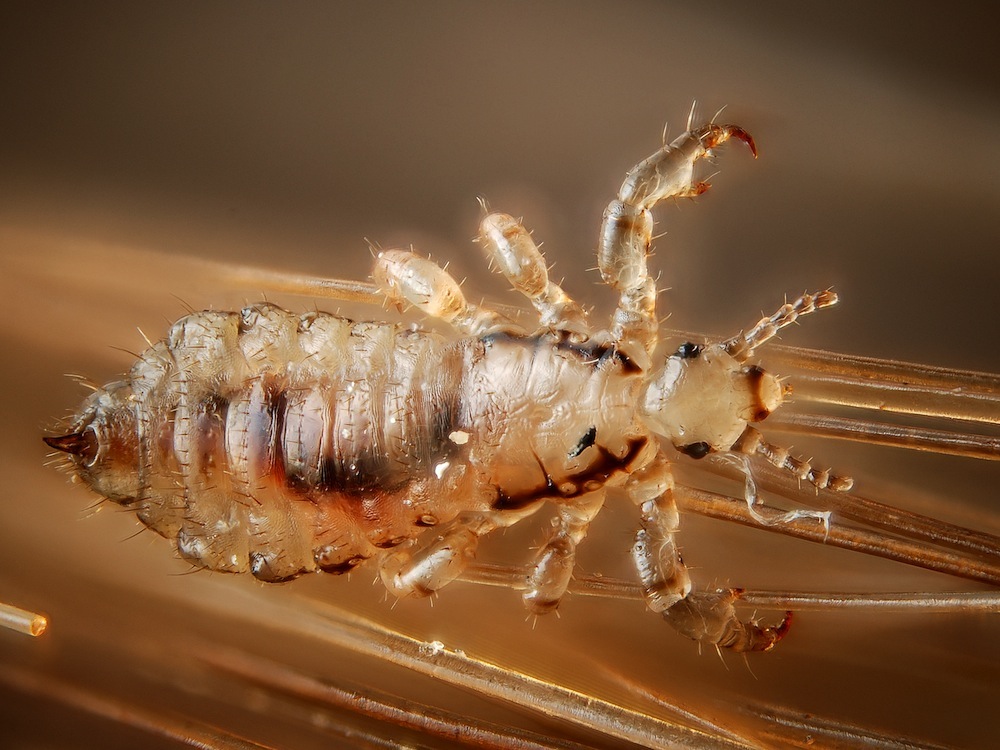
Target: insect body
[280, 444]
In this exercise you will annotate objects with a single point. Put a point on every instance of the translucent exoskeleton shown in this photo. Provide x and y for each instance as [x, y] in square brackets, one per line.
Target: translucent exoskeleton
[279, 444]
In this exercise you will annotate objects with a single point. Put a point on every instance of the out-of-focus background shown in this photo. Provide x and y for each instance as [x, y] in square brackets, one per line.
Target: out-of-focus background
[135, 138]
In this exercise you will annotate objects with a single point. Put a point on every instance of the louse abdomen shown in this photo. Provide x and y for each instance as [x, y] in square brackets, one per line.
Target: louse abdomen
[274, 443]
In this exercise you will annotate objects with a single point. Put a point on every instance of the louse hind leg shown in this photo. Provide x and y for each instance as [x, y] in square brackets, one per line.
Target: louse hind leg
[403, 277]
[424, 565]
[627, 230]
[509, 245]
[708, 617]
[553, 567]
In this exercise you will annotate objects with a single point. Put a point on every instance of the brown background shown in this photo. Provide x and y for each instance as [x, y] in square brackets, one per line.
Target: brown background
[283, 135]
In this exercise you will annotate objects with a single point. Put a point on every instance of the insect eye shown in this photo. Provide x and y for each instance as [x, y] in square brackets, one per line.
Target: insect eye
[688, 350]
[695, 450]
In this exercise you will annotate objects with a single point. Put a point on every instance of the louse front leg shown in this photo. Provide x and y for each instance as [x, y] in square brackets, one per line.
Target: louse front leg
[404, 277]
[707, 617]
[509, 245]
[553, 567]
[627, 230]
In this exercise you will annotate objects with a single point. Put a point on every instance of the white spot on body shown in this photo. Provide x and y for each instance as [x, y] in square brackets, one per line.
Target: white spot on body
[459, 437]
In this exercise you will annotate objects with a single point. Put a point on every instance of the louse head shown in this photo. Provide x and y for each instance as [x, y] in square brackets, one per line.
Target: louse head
[102, 445]
[703, 398]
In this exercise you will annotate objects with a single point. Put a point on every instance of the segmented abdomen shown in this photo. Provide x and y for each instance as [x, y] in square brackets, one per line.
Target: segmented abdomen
[280, 444]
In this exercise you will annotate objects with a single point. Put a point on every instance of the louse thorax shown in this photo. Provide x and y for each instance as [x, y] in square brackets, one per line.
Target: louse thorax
[551, 417]
[703, 399]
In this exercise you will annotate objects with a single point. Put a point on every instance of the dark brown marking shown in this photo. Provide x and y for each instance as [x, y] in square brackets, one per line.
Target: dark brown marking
[588, 439]
[369, 474]
[82, 444]
[689, 350]
[601, 470]
[445, 408]
[695, 450]
[420, 589]
[354, 474]
[260, 567]
[328, 559]
[755, 376]
[339, 568]
[296, 483]
[390, 543]
[276, 403]
[544, 606]
[629, 221]
[588, 351]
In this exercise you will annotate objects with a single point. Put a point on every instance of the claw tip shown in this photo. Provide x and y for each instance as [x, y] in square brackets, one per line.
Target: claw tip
[83, 444]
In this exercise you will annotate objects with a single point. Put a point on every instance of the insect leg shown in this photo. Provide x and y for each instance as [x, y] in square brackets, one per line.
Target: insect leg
[422, 566]
[743, 345]
[627, 230]
[662, 574]
[406, 278]
[708, 617]
[508, 244]
[751, 442]
[553, 567]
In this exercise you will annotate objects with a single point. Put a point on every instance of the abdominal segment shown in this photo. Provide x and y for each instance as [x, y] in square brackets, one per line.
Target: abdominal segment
[281, 444]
